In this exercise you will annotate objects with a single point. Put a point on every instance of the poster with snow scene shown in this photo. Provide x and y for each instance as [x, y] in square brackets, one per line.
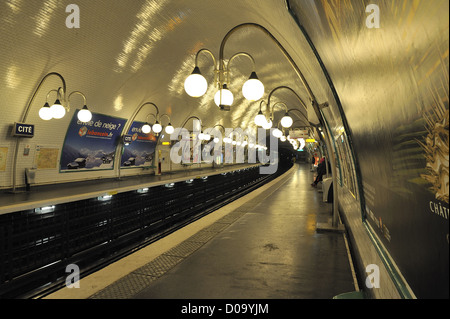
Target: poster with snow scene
[91, 145]
[140, 152]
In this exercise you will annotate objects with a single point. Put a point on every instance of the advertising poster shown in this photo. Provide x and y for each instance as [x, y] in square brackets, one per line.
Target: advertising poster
[91, 145]
[141, 151]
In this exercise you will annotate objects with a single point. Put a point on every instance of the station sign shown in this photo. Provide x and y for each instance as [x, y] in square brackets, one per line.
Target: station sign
[23, 130]
[127, 139]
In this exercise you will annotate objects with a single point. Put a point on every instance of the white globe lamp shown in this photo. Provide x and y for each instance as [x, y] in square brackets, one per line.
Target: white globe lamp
[223, 97]
[45, 113]
[146, 128]
[277, 133]
[195, 84]
[286, 121]
[268, 124]
[169, 129]
[84, 115]
[157, 128]
[58, 111]
[260, 119]
[253, 88]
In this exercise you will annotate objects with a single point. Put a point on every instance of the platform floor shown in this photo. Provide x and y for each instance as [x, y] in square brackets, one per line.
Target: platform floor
[263, 246]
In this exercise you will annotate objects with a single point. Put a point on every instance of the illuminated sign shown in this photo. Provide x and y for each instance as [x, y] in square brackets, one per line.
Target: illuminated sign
[23, 130]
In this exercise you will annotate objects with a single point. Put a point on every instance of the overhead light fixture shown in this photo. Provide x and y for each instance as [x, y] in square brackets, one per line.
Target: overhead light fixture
[277, 133]
[146, 128]
[84, 115]
[45, 113]
[58, 111]
[157, 128]
[268, 124]
[253, 88]
[169, 129]
[195, 84]
[223, 97]
[126, 129]
[260, 119]
[286, 121]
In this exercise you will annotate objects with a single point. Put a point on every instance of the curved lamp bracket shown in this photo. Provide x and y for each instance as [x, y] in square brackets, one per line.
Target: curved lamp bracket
[166, 115]
[286, 54]
[126, 128]
[286, 88]
[273, 106]
[26, 112]
[235, 56]
[213, 58]
[191, 117]
[75, 92]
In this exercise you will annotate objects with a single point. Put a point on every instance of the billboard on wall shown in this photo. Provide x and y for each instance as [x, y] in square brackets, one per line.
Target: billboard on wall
[141, 151]
[91, 145]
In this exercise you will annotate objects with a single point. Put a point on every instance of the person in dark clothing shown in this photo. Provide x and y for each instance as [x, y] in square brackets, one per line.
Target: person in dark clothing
[321, 170]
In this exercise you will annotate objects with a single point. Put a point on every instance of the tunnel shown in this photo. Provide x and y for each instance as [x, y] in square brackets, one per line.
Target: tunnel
[321, 123]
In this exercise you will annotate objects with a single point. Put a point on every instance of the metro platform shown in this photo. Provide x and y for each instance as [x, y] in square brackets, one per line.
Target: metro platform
[264, 245]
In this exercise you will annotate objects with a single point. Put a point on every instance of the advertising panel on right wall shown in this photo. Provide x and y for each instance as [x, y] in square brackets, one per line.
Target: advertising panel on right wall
[388, 62]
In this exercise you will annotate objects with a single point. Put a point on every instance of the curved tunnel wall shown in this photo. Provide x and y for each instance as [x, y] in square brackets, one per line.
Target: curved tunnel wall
[392, 84]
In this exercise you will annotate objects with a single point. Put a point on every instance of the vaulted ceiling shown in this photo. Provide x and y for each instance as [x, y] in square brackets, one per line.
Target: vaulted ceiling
[126, 53]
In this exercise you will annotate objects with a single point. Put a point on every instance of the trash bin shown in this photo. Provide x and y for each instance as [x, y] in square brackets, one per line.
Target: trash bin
[326, 188]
